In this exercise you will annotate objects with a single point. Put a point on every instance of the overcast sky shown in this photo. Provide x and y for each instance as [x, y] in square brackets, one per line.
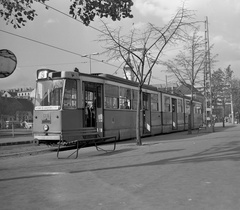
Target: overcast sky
[55, 29]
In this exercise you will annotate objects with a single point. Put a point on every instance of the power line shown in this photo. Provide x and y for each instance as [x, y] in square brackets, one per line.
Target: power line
[58, 48]
[52, 64]
[33, 40]
[78, 54]
[65, 14]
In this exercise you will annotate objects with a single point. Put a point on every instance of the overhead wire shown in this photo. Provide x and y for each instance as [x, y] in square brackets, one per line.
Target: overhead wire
[64, 50]
[58, 48]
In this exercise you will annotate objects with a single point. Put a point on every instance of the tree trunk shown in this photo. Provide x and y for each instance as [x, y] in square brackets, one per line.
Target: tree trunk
[223, 104]
[138, 120]
[190, 118]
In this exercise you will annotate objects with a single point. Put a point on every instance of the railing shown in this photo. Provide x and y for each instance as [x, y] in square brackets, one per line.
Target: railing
[12, 132]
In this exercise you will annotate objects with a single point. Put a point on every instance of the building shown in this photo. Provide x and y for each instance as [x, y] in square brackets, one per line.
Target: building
[9, 94]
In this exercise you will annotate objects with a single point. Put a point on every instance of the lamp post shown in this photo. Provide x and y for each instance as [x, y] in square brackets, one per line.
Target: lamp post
[90, 59]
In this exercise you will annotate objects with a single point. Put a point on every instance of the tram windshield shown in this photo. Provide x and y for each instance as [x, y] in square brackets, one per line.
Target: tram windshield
[49, 94]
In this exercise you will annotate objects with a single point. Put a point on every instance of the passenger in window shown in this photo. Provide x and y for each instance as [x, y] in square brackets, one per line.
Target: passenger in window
[87, 115]
[126, 105]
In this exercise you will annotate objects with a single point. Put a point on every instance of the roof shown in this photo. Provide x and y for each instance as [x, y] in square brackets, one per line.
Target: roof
[186, 90]
[10, 94]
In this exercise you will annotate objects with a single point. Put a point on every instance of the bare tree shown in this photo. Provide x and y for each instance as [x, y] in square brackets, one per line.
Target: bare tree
[141, 49]
[188, 65]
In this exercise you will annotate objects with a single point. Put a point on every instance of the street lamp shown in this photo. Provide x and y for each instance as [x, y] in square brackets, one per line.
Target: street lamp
[90, 59]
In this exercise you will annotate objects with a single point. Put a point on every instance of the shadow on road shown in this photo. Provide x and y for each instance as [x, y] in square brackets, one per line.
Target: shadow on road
[221, 152]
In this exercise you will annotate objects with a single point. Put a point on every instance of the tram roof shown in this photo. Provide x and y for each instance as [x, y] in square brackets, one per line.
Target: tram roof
[123, 81]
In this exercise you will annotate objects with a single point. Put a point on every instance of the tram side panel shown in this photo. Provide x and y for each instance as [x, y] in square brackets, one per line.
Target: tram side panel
[181, 125]
[156, 125]
[72, 124]
[198, 116]
[197, 120]
[121, 123]
[167, 122]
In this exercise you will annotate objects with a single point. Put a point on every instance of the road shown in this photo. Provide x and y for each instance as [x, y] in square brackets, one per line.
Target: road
[175, 171]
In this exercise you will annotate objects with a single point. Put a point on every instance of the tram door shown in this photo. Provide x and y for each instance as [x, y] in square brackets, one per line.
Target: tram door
[174, 113]
[146, 113]
[93, 106]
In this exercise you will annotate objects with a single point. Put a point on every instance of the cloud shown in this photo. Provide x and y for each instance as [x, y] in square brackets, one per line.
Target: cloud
[50, 21]
[139, 25]
[160, 8]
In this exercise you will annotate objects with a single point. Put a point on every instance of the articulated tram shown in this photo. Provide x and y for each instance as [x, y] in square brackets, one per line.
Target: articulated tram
[68, 103]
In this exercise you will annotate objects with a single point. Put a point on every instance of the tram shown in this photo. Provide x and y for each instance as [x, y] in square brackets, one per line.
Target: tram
[68, 103]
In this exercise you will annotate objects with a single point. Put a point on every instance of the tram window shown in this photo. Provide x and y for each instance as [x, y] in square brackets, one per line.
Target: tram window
[49, 93]
[125, 98]
[197, 109]
[180, 105]
[134, 99]
[111, 102]
[146, 101]
[99, 97]
[167, 104]
[111, 96]
[187, 110]
[70, 95]
[154, 102]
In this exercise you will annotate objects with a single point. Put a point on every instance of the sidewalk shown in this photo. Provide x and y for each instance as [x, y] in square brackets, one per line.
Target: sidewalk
[18, 139]
[28, 139]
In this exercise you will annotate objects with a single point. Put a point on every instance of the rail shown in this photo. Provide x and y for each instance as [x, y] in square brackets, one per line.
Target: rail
[15, 132]
[90, 136]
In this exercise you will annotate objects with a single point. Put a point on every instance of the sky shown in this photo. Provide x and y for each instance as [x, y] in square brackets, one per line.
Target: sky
[58, 42]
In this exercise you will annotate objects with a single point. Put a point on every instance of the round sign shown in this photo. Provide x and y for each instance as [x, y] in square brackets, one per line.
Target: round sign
[8, 63]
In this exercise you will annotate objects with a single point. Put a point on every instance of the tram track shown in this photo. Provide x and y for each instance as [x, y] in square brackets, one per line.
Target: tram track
[20, 150]
[24, 150]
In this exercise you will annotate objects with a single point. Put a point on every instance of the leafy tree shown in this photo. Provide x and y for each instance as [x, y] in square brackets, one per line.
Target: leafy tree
[141, 49]
[222, 87]
[236, 97]
[17, 12]
[9, 106]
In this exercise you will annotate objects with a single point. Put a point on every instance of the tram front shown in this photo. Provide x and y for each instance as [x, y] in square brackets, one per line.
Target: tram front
[56, 113]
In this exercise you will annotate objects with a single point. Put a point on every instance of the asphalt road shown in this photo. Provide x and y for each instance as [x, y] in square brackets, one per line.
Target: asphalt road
[176, 171]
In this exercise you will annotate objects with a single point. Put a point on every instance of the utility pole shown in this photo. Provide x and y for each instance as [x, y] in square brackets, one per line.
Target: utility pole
[207, 80]
[90, 59]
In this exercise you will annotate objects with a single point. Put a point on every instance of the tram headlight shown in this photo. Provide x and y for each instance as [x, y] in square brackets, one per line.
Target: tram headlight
[45, 127]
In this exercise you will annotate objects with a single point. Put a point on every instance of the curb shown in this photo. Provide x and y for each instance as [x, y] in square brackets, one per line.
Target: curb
[18, 142]
[27, 153]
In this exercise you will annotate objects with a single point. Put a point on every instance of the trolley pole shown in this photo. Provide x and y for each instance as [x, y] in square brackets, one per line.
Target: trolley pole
[207, 80]
[90, 59]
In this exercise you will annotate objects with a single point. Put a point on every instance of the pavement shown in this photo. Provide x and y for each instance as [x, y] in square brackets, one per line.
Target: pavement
[28, 139]
[176, 171]
[8, 141]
